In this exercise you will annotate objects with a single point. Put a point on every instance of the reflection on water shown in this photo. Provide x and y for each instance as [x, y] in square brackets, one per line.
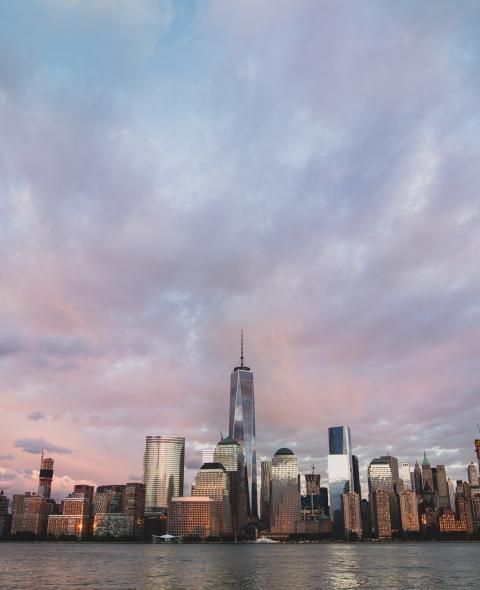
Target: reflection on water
[423, 566]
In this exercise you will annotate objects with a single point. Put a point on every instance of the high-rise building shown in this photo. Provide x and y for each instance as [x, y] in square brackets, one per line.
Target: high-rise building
[366, 517]
[109, 498]
[119, 511]
[383, 475]
[340, 473]
[477, 450]
[30, 514]
[314, 514]
[451, 494]
[212, 481]
[163, 468]
[417, 479]
[5, 517]
[285, 493]
[193, 516]
[409, 511]
[45, 477]
[442, 487]
[74, 521]
[472, 474]
[463, 500]
[265, 491]
[208, 455]
[475, 494]
[405, 474]
[380, 501]
[229, 454]
[357, 488]
[241, 425]
[352, 515]
[427, 476]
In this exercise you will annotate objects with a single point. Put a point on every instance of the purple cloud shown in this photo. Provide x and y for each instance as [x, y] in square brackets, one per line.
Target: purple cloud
[35, 446]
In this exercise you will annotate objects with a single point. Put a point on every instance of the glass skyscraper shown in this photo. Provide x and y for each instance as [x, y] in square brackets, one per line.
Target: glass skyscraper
[241, 425]
[285, 495]
[163, 467]
[340, 473]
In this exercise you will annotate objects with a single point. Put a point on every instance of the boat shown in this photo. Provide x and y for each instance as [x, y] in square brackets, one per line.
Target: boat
[266, 540]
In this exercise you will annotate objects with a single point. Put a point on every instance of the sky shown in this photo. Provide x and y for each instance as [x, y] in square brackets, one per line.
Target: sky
[172, 172]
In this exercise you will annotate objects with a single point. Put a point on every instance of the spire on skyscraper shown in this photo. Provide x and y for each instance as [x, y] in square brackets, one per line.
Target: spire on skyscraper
[241, 349]
[425, 459]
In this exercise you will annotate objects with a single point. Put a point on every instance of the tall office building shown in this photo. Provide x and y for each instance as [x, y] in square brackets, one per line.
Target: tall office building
[409, 511]
[163, 468]
[380, 502]
[472, 474]
[477, 450]
[417, 479]
[451, 494]
[340, 473]
[265, 491]
[74, 520]
[45, 477]
[442, 487]
[285, 495]
[207, 455]
[427, 475]
[241, 426]
[5, 517]
[212, 481]
[352, 515]
[229, 454]
[383, 475]
[405, 474]
[356, 476]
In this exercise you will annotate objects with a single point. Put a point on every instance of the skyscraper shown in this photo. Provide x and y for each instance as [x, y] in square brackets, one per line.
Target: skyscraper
[477, 449]
[265, 491]
[163, 468]
[340, 473]
[356, 476]
[229, 454]
[352, 515]
[472, 474]
[442, 487]
[212, 481]
[45, 477]
[383, 475]
[405, 475]
[241, 425]
[409, 511]
[427, 475]
[285, 497]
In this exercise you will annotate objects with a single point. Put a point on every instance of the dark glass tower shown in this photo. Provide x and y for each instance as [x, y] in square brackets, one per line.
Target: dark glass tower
[241, 426]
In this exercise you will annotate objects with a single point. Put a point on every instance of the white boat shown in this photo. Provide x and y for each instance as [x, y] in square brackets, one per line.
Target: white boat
[265, 540]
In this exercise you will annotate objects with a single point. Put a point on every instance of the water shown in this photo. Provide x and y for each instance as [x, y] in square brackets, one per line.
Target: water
[425, 566]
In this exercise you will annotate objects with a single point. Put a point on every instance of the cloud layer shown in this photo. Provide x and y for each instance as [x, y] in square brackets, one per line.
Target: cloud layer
[171, 173]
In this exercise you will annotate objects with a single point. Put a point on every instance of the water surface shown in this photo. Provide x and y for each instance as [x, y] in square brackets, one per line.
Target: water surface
[425, 566]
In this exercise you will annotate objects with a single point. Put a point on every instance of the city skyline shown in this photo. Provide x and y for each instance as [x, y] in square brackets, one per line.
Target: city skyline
[173, 172]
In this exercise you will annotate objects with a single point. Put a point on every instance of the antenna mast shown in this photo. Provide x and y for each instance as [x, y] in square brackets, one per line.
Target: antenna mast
[241, 349]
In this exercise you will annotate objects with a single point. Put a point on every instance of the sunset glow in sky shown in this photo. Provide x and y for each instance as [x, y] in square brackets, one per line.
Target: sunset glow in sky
[174, 171]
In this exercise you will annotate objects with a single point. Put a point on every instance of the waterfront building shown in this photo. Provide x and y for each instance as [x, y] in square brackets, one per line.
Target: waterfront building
[463, 501]
[380, 501]
[212, 481]
[409, 511]
[449, 523]
[30, 514]
[74, 520]
[265, 491]
[109, 498]
[352, 515]
[475, 499]
[5, 517]
[285, 493]
[193, 516]
[163, 469]
[45, 477]
[241, 424]
[340, 473]
[383, 475]
[230, 454]
[405, 474]
[119, 510]
[366, 515]
[472, 474]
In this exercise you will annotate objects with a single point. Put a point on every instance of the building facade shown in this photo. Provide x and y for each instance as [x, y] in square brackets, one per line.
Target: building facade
[352, 515]
[285, 493]
[409, 511]
[241, 424]
[163, 469]
[340, 473]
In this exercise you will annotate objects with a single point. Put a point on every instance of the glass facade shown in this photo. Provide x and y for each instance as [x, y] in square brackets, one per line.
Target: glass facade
[340, 473]
[242, 425]
[212, 481]
[229, 454]
[163, 467]
[285, 494]
[383, 475]
[339, 440]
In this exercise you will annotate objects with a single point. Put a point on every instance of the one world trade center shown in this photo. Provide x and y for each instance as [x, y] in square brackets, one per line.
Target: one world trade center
[241, 425]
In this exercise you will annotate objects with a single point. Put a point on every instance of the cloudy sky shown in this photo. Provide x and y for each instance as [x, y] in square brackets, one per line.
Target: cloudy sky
[172, 172]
